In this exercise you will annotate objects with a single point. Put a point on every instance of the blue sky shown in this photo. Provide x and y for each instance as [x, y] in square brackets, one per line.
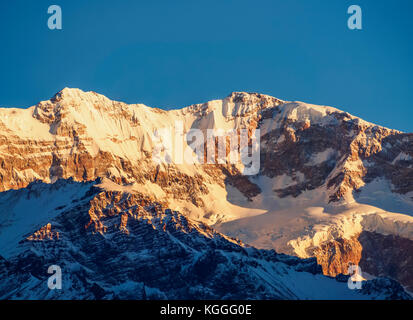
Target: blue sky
[171, 54]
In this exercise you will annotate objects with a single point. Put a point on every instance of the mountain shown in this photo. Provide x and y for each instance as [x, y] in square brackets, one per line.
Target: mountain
[331, 188]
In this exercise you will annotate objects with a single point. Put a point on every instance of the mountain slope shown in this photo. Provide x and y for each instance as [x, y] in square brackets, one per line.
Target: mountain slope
[119, 245]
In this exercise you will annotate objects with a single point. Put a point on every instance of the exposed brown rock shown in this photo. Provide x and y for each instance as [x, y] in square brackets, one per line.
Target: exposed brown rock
[336, 256]
[44, 233]
[374, 253]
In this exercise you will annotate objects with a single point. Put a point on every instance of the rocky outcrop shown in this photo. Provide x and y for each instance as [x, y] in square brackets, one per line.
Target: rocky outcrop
[336, 256]
[375, 253]
[44, 233]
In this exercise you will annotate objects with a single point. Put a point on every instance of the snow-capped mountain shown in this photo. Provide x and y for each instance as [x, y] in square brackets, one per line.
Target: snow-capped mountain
[330, 186]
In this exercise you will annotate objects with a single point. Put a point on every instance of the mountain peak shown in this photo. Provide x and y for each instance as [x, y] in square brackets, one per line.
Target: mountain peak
[67, 92]
[242, 96]
[73, 94]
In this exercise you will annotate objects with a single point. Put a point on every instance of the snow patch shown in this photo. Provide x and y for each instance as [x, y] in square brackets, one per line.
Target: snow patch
[321, 157]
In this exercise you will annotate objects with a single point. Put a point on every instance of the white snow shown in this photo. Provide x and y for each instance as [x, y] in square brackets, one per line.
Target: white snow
[402, 157]
[321, 157]
[24, 211]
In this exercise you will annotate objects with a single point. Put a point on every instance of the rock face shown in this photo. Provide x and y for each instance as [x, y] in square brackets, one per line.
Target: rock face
[336, 256]
[375, 253]
[387, 255]
[44, 233]
[326, 179]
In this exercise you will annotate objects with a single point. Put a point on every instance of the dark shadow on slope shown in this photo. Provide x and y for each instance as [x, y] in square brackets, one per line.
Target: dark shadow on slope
[387, 255]
[378, 194]
[389, 175]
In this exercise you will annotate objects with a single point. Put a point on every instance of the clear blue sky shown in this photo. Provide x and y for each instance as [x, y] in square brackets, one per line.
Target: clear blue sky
[174, 53]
